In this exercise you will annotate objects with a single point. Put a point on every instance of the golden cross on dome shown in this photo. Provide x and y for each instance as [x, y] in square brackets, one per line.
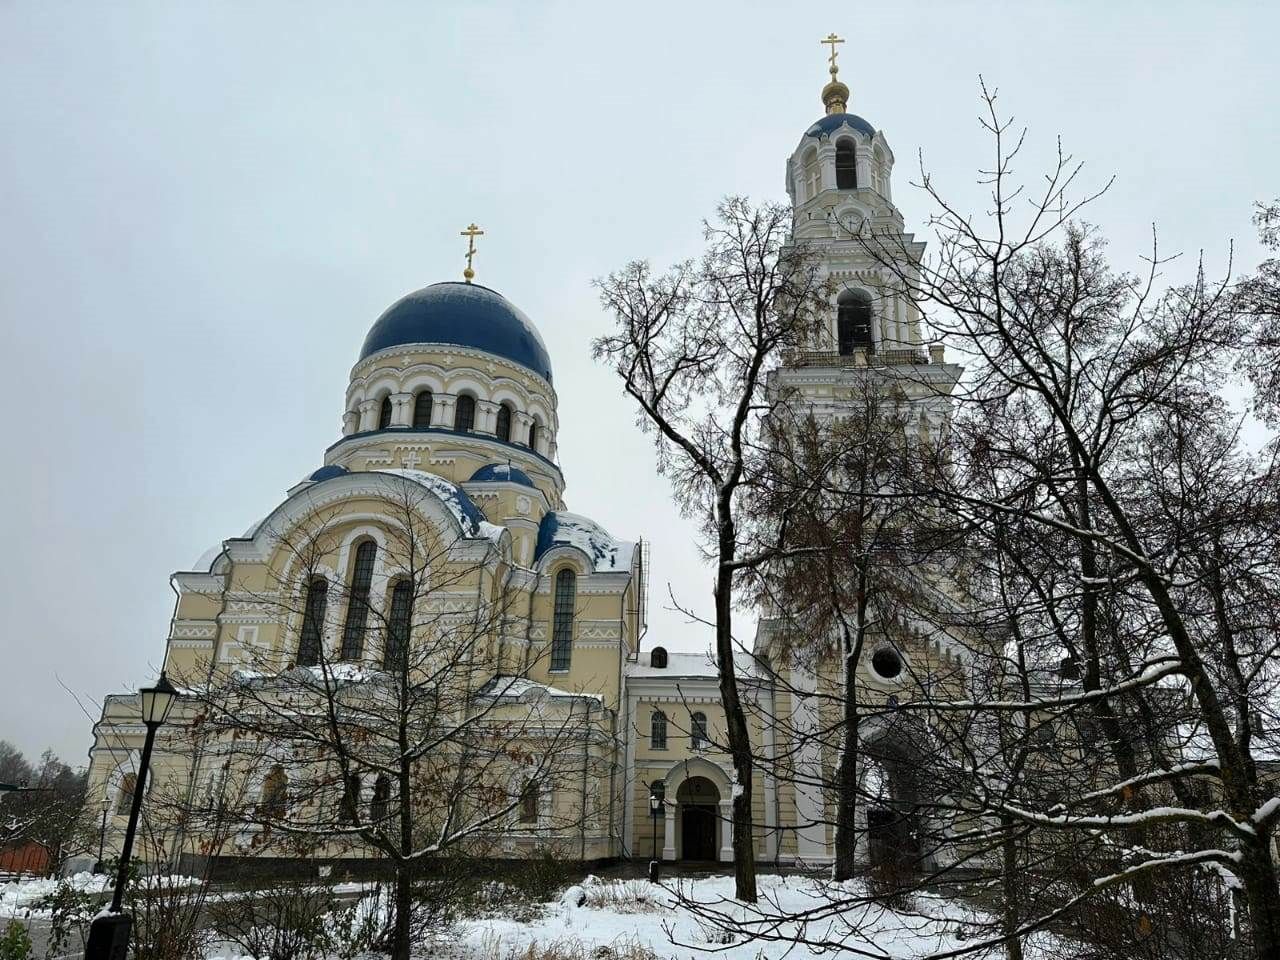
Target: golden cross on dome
[832, 40]
[470, 233]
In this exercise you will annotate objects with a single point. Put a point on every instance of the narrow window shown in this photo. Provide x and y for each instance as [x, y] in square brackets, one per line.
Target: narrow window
[124, 799]
[846, 165]
[358, 605]
[398, 626]
[384, 413]
[658, 730]
[380, 804]
[350, 803]
[658, 658]
[275, 787]
[529, 802]
[533, 435]
[464, 419]
[422, 410]
[313, 622]
[812, 176]
[562, 627]
[853, 322]
[698, 729]
[503, 428]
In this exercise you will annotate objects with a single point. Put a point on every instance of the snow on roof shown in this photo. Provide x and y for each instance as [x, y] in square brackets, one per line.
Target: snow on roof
[571, 530]
[683, 664]
[516, 688]
[470, 517]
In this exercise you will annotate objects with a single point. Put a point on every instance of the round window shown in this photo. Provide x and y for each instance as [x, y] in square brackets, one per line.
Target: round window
[886, 663]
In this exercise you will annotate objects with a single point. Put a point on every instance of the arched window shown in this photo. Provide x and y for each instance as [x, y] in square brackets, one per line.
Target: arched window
[464, 417]
[562, 626]
[812, 175]
[380, 803]
[846, 165]
[384, 413]
[313, 622]
[853, 322]
[698, 729]
[503, 428]
[275, 790]
[358, 605]
[397, 645]
[124, 799]
[529, 802]
[422, 410]
[349, 806]
[658, 658]
[658, 730]
[533, 435]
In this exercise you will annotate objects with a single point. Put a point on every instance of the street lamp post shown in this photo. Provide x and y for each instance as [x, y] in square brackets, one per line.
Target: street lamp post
[102, 836]
[109, 932]
[655, 811]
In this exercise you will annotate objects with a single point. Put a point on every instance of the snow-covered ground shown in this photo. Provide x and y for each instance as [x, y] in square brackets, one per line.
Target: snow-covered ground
[617, 914]
[24, 898]
[21, 897]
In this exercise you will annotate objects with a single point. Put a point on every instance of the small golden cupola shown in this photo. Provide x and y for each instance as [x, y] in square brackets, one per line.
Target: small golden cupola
[835, 95]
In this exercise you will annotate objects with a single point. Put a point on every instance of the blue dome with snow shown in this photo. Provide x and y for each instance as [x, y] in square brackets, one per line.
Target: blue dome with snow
[464, 315]
[501, 473]
[834, 121]
[325, 473]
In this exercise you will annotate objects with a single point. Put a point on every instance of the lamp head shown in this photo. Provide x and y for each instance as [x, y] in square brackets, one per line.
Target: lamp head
[157, 701]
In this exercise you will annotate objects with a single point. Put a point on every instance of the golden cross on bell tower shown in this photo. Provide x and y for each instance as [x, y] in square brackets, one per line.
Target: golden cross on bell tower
[831, 39]
[470, 233]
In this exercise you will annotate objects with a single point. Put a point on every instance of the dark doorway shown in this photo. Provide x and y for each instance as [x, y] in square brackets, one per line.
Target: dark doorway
[889, 838]
[698, 832]
[699, 821]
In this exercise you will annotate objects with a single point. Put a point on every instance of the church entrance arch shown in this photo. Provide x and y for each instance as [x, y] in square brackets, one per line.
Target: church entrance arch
[699, 814]
[895, 764]
[698, 801]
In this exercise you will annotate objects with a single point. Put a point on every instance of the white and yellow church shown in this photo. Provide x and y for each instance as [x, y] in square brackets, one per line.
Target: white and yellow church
[452, 396]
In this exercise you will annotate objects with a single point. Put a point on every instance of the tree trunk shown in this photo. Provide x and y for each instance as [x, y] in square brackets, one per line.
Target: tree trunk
[738, 734]
[403, 910]
[1257, 871]
[847, 770]
[1010, 878]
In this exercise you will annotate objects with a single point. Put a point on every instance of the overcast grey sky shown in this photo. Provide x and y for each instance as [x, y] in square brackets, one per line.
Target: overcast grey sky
[203, 207]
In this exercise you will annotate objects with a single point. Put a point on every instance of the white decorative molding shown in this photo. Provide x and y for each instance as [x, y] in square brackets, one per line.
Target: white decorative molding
[194, 630]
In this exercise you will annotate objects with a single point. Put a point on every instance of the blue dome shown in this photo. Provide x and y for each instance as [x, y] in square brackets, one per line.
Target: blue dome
[463, 314]
[326, 473]
[833, 121]
[501, 473]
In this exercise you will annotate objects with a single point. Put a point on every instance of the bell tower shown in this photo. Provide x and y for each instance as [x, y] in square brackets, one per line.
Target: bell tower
[839, 178]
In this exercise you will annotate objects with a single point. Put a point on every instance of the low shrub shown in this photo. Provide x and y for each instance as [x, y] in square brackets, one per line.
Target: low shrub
[15, 944]
[624, 896]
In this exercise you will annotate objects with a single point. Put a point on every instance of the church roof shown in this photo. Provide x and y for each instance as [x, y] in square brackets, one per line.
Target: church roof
[607, 555]
[501, 473]
[326, 472]
[832, 122]
[465, 315]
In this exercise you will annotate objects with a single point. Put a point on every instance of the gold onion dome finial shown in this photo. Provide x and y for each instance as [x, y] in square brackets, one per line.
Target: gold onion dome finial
[470, 233]
[835, 95]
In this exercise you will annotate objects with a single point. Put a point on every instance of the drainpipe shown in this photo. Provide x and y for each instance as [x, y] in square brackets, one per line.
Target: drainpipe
[586, 741]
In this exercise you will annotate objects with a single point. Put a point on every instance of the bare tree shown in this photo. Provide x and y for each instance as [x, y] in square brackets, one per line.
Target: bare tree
[1113, 541]
[692, 348]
